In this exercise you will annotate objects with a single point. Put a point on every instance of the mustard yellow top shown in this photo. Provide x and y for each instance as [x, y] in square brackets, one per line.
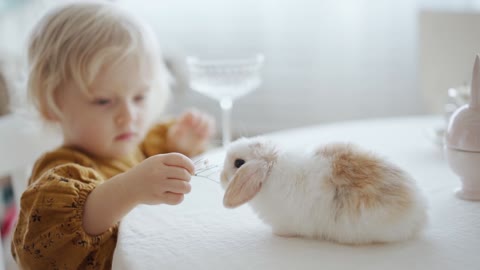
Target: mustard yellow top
[49, 232]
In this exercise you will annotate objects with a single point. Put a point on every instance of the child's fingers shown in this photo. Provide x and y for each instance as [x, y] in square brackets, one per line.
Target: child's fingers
[187, 118]
[177, 186]
[202, 131]
[196, 119]
[179, 128]
[204, 126]
[173, 198]
[180, 160]
[188, 121]
[179, 173]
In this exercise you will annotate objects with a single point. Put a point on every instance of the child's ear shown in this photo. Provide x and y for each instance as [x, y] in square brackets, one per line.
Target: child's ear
[53, 109]
[52, 112]
[52, 116]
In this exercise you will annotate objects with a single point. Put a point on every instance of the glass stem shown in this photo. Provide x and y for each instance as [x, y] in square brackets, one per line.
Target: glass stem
[226, 105]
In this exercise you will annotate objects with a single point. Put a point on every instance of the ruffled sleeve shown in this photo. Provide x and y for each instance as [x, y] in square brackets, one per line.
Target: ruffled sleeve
[50, 222]
[155, 141]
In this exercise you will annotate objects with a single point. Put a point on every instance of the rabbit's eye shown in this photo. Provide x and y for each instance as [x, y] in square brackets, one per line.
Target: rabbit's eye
[239, 162]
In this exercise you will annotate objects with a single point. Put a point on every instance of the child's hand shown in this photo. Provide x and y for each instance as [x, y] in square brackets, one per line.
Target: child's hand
[161, 179]
[191, 133]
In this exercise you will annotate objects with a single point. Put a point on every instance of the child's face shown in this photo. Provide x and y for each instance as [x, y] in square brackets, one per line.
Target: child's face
[113, 120]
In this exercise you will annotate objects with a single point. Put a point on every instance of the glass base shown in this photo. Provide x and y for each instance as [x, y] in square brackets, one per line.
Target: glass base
[466, 194]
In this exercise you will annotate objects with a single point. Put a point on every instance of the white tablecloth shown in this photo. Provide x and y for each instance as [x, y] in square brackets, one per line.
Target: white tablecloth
[201, 234]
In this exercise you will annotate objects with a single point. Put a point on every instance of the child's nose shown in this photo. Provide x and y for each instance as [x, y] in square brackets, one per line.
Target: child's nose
[126, 113]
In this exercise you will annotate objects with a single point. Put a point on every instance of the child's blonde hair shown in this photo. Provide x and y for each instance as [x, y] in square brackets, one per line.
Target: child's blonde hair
[73, 42]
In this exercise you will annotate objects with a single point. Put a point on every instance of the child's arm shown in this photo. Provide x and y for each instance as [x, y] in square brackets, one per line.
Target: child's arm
[49, 231]
[158, 179]
[50, 228]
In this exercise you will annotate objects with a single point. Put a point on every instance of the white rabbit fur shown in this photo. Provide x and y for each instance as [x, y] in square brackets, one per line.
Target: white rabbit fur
[339, 192]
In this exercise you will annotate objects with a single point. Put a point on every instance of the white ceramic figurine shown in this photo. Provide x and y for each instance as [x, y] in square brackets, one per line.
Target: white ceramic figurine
[462, 141]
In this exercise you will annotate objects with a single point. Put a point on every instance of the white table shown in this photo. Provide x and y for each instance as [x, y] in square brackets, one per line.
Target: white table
[201, 234]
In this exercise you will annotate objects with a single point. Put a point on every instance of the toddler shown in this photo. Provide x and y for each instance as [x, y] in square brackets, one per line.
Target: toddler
[94, 70]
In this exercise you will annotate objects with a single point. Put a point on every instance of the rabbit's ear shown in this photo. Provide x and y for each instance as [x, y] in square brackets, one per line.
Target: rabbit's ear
[246, 183]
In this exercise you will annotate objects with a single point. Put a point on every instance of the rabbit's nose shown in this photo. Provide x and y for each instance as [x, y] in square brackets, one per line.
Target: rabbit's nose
[239, 162]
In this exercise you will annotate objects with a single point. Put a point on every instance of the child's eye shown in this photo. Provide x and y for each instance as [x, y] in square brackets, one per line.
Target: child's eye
[139, 98]
[102, 101]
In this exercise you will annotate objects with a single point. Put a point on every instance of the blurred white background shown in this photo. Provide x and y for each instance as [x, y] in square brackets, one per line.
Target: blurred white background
[326, 61]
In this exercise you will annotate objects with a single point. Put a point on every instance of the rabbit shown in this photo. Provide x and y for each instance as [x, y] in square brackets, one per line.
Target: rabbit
[338, 192]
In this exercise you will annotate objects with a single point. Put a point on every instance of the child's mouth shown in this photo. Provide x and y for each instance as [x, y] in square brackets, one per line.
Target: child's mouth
[125, 136]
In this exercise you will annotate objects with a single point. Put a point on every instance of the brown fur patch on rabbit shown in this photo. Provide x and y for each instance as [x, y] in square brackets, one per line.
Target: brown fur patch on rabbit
[358, 180]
